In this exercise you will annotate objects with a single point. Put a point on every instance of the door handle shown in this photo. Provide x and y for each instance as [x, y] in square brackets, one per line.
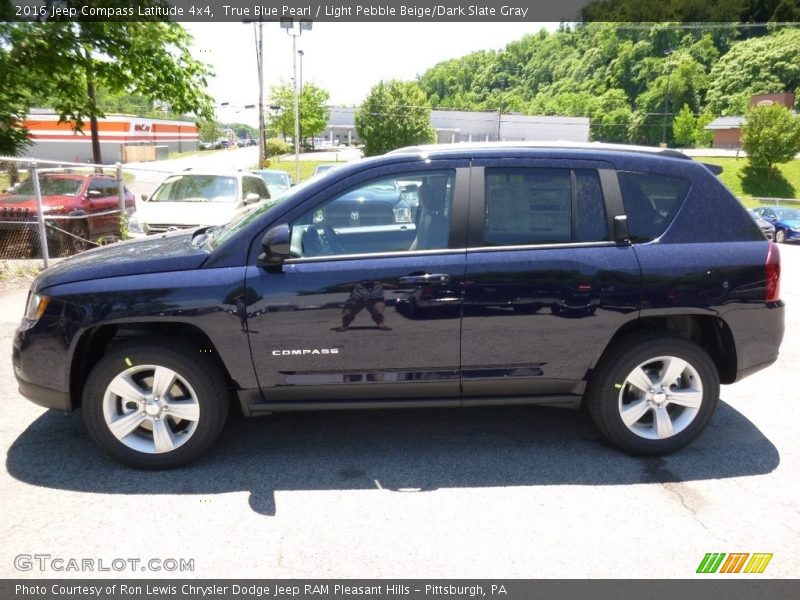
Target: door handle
[426, 278]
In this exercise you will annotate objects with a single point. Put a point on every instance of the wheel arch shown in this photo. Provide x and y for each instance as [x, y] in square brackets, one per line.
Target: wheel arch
[709, 332]
[97, 341]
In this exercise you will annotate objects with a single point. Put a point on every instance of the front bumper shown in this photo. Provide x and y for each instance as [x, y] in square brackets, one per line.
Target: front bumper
[44, 396]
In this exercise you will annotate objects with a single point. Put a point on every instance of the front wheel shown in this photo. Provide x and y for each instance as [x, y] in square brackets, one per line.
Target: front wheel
[653, 394]
[151, 405]
[780, 236]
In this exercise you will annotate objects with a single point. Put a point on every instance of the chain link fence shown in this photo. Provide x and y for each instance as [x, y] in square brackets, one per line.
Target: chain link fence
[54, 209]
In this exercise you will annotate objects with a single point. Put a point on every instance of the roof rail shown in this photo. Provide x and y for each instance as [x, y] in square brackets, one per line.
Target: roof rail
[555, 145]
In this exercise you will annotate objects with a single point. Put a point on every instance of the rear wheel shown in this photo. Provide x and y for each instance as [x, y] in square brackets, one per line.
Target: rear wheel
[653, 395]
[153, 406]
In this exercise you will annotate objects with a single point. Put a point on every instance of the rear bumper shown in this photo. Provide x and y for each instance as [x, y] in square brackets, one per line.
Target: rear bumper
[758, 337]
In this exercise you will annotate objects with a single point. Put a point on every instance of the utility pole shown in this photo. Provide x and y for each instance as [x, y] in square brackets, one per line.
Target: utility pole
[258, 31]
[666, 98]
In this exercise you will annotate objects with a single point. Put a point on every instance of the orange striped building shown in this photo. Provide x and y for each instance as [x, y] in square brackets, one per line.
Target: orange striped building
[52, 140]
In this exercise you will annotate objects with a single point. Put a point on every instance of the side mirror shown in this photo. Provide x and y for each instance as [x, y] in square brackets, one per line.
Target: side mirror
[251, 198]
[276, 245]
[144, 197]
[621, 233]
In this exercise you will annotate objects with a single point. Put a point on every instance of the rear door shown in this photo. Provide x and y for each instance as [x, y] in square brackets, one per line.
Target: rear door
[545, 285]
[369, 306]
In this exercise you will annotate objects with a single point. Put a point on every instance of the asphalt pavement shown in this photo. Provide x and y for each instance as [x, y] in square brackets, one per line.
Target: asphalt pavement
[492, 492]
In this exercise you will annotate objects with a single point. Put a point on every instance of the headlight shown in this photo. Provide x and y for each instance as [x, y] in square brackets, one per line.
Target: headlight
[37, 304]
[133, 224]
[402, 215]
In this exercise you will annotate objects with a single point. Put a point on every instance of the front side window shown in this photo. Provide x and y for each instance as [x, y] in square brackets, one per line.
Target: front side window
[403, 212]
[196, 188]
[529, 206]
[254, 185]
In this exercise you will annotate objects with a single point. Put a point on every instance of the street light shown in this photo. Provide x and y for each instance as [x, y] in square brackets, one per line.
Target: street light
[669, 53]
[300, 53]
[288, 26]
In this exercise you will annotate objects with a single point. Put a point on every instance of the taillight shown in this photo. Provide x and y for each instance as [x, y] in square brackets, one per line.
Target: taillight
[773, 273]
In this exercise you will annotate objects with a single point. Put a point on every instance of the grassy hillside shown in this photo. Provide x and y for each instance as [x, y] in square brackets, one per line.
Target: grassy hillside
[752, 183]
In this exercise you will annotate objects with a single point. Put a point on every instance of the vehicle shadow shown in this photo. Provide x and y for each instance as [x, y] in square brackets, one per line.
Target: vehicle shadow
[398, 450]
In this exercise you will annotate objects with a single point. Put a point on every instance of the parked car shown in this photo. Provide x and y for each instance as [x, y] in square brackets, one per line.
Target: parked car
[193, 199]
[786, 222]
[83, 208]
[278, 182]
[286, 307]
[320, 169]
[767, 228]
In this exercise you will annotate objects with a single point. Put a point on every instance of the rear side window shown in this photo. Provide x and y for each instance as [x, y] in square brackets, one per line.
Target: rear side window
[651, 202]
[529, 206]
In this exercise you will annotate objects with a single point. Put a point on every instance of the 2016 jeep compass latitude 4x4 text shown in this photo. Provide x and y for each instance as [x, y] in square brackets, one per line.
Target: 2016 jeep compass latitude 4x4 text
[528, 274]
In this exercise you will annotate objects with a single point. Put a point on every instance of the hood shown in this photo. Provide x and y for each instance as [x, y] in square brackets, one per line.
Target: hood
[160, 253]
[186, 214]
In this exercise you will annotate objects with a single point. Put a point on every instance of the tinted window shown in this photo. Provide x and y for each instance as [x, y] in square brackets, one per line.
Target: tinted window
[404, 212]
[106, 187]
[651, 202]
[590, 210]
[254, 185]
[536, 206]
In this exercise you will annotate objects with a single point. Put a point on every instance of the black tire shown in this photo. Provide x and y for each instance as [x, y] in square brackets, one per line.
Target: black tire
[203, 375]
[780, 236]
[603, 394]
[79, 243]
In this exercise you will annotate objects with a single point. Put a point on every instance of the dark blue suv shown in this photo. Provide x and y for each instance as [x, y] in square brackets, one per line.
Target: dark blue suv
[524, 275]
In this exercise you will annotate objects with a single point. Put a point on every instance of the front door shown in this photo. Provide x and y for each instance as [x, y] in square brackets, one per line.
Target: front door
[369, 306]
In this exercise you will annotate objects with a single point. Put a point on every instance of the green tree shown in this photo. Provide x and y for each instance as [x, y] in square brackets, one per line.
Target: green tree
[67, 62]
[684, 127]
[242, 130]
[755, 66]
[14, 97]
[210, 131]
[314, 111]
[770, 136]
[394, 114]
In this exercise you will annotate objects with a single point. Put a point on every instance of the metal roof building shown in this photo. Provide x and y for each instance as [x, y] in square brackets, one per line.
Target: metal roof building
[463, 126]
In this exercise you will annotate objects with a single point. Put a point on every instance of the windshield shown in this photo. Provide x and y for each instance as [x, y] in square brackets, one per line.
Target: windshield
[242, 220]
[196, 188]
[273, 178]
[51, 186]
[787, 213]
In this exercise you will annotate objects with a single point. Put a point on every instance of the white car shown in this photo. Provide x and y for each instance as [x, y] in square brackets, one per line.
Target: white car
[195, 199]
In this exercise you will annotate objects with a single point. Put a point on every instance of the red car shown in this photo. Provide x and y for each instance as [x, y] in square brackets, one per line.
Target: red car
[87, 204]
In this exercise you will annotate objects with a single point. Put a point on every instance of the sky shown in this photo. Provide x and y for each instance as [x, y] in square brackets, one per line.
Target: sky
[346, 59]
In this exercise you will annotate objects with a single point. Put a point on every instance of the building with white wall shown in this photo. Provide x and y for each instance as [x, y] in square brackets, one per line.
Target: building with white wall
[454, 126]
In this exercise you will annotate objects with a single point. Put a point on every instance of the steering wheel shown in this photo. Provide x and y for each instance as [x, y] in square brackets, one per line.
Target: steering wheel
[331, 239]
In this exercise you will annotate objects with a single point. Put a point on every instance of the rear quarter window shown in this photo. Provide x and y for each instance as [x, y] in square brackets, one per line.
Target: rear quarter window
[651, 202]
